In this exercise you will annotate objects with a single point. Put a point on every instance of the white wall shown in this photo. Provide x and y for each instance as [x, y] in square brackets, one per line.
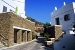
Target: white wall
[8, 4]
[68, 39]
[68, 9]
[21, 7]
[74, 10]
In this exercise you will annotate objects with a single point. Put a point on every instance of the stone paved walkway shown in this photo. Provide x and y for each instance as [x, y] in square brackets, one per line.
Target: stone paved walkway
[35, 45]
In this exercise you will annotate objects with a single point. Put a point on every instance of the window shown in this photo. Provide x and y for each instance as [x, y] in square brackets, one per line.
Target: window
[63, 46]
[4, 9]
[11, 10]
[57, 21]
[38, 28]
[66, 17]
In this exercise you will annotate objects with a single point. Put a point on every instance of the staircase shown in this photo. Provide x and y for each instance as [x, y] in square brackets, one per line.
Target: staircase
[3, 41]
[1, 45]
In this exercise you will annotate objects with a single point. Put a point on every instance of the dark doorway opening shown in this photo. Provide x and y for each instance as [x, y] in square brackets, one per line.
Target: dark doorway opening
[28, 35]
[23, 35]
[15, 35]
[57, 21]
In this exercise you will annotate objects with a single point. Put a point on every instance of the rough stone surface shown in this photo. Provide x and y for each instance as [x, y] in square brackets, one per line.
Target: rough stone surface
[55, 31]
[58, 32]
[8, 20]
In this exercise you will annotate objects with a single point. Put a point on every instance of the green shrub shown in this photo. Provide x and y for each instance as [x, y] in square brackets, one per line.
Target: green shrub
[33, 37]
[46, 37]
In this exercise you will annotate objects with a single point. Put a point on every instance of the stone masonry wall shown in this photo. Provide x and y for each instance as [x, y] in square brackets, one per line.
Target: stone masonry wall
[8, 20]
[4, 26]
[21, 22]
[58, 31]
[55, 31]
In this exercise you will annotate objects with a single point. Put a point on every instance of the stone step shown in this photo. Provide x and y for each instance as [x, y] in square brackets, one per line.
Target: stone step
[49, 42]
[52, 39]
[63, 32]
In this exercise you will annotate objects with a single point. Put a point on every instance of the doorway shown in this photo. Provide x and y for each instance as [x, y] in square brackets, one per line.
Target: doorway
[23, 35]
[28, 35]
[57, 21]
[15, 35]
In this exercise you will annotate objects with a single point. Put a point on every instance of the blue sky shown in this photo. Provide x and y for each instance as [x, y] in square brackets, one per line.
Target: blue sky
[40, 9]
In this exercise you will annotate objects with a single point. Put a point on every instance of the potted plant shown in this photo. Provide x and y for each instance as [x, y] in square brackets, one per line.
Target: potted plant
[47, 39]
[46, 35]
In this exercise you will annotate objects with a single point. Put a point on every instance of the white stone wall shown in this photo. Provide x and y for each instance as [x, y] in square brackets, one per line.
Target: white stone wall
[74, 10]
[21, 7]
[11, 4]
[68, 39]
[68, 9]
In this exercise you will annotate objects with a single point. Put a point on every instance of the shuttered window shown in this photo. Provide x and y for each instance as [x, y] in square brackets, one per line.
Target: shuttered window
[4, 9]
[66, 17]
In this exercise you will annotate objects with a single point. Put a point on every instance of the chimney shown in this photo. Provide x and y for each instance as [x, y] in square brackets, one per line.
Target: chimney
[55, 8]
[64, 3]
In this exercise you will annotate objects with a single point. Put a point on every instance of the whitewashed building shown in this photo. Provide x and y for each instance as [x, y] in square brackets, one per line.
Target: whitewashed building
[10, 5]
[64, 16]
